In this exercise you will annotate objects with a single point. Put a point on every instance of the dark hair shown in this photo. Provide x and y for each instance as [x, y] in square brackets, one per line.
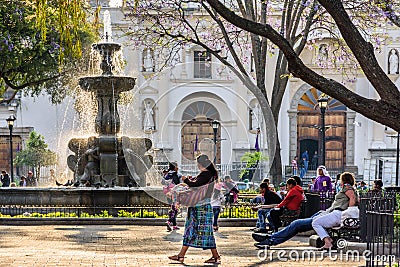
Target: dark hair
[266, 180]
[172, 165]
[338, 176]
[3, 171]
[204, 161]
[291, 181]
[264, 185]
[297, 179]
[379, 183]
[347, 178]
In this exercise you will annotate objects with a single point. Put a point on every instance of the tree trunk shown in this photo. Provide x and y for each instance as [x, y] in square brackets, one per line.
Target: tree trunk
[276, 167]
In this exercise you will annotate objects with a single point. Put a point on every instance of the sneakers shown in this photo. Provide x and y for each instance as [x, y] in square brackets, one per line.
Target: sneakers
[169, 229]
[175, 227]
[259, 237]
[215, 228]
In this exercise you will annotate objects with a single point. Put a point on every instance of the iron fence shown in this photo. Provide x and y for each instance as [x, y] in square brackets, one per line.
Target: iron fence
[380, 227]
[25, 211]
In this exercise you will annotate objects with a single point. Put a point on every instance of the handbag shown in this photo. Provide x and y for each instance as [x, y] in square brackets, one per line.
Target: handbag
[193, 196]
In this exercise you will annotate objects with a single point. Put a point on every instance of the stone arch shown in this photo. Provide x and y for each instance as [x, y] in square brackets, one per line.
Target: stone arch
[197, 133]
[293, 125]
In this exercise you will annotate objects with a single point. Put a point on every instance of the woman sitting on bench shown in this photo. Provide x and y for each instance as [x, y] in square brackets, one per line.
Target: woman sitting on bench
[346, 197]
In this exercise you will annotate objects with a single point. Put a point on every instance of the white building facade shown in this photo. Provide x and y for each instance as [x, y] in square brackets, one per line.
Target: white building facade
[175, 109]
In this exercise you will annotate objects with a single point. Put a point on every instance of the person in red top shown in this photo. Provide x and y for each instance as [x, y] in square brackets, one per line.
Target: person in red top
[290, 204]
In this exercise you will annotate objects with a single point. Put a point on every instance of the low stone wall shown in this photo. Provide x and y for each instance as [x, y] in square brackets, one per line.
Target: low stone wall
[82, 196]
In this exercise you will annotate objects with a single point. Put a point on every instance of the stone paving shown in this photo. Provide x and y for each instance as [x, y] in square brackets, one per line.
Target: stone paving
[129, 245]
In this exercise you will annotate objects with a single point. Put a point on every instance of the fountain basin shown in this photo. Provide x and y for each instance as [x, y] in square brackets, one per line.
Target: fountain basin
[107, 85]
[83, 196]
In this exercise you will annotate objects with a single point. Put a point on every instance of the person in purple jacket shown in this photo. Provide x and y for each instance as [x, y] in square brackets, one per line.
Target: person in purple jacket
[323, 183]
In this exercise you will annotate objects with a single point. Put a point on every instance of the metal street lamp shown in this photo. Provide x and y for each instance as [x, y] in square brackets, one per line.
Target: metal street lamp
[215, 125]
[10, 121]
[323, 104]
[394, 134]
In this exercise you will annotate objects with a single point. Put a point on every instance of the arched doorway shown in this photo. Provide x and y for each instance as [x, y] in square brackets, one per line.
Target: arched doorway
[309, 132]
[197, 132]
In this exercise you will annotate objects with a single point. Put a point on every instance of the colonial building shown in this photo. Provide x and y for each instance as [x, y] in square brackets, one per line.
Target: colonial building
[175, 108]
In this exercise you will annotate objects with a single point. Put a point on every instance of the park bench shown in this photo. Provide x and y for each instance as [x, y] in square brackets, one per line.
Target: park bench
[350, 230]
[289, 216]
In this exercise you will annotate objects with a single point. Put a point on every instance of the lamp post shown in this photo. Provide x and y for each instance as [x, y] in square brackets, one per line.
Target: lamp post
[323, 103]
[394, 134]
[215, 125]
[10, 121]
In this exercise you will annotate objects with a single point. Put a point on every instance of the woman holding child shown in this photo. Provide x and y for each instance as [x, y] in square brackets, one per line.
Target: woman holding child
[199, 221]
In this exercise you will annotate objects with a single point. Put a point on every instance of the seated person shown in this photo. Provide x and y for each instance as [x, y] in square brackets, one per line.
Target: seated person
[282, 190]
[290, 204]
[271, 199]
[295, 227]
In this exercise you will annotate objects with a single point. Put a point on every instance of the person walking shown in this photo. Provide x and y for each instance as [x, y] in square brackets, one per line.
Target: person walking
[232, 194]
[294, 165]
[216, 203]
[22, 182]
[175, 178]
[31, 180]
[5, 179]
[198, 226]
[305, 159]
[323, 183]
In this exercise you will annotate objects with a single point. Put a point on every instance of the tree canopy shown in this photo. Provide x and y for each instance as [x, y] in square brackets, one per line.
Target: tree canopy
[177, 24]
[41, 44]
[36, 154]
[384, 109]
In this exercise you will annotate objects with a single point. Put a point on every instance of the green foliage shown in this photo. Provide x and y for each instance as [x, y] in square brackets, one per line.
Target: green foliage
[139, 214]
[103, 214]
[40, 42]
[36, 154]
[238, 212]
[251, 159]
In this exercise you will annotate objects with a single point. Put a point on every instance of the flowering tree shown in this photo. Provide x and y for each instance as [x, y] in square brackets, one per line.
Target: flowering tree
[175, 24]
[384, 109]
[41, 43]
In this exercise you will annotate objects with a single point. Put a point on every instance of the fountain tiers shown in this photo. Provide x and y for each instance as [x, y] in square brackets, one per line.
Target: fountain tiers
[108, 160]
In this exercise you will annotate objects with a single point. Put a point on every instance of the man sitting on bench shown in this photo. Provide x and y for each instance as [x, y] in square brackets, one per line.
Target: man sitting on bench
[290, 205]
[271, 199]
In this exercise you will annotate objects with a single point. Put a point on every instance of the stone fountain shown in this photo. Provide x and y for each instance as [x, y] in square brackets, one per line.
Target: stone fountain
[106, 159]
[101, 161]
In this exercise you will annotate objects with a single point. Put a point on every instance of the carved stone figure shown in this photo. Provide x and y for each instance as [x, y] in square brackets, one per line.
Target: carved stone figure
[323, 52]
[393, 62]
[148, 121]
[148, 62]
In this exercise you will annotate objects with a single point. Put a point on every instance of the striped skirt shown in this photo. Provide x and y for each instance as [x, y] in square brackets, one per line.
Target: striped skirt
[198, 227]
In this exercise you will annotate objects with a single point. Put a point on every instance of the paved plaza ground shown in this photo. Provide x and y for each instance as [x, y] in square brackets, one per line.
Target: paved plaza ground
[128, 245]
